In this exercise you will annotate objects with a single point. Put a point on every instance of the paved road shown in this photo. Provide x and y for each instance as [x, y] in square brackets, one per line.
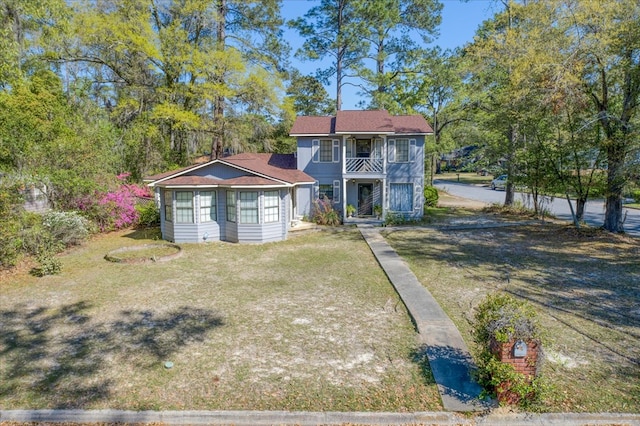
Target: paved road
[594, 214]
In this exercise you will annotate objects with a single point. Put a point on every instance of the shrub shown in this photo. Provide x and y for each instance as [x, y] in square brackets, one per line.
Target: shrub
[636, 195]
[501, 318]
[68, 228]
[48, 264]
[148, 214]
[430, 196]
[393, 218]
[9, 225]
[323, 213]
[115, 209]
[35, 238]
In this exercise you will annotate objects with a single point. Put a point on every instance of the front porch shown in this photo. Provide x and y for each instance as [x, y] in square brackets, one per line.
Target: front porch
[366, 196]
[369, 221]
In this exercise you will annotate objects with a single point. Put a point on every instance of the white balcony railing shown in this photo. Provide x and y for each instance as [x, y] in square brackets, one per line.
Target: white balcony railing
[364, 165]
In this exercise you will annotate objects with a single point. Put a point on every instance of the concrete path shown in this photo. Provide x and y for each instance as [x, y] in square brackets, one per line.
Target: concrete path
[449, 358]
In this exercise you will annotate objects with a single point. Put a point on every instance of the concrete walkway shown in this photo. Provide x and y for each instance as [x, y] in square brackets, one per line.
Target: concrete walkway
[449, 358]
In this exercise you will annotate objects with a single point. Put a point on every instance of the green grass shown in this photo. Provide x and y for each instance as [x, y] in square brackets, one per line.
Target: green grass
[312, 323]
[307, 324]
[584, 286]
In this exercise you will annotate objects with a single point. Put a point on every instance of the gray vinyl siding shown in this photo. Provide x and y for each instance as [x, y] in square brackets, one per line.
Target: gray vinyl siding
[185, 233]
[218, 171]
[320, 171]
[167, 231]
[304, 196]
[231, 232]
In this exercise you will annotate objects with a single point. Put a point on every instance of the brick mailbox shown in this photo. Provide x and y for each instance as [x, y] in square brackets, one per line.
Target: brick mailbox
[523, 356]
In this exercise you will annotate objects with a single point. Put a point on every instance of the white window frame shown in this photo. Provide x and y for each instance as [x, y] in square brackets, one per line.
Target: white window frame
[168, 206]
[249, 207]
[322, 191]
[392, 155]
[208, 211]
[399, 143]
[231, 207]
[271, 206]
[184, 212]
[317, 150]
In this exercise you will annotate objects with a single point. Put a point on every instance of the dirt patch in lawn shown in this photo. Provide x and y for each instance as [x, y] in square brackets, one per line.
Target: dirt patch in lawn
[583, 283]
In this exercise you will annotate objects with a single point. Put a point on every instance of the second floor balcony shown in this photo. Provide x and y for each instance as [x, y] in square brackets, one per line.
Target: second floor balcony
[364, 165]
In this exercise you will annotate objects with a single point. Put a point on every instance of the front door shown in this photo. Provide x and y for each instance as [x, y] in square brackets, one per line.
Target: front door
[365, 199]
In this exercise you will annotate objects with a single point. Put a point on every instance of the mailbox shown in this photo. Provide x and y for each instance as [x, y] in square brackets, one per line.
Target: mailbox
[520, 349]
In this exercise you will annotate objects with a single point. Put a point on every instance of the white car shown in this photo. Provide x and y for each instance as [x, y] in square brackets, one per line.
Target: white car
[499, 183]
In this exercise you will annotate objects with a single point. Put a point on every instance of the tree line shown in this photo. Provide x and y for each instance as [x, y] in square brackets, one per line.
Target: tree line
[93, 88]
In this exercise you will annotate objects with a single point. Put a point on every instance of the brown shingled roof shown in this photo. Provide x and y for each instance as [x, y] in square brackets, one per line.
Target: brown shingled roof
[277, 166]
[308, 125]
[262, 169]
[374, 121]
[190, 181]
[377, 121]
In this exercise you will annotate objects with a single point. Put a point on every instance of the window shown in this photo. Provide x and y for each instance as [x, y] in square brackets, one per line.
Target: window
[271, 206]
[184, 206]
[208, 211]
[326, 151]
[402, 150]
[325, 192]
[248, 207]
[401, 197]
[168, 206]
[231, 206]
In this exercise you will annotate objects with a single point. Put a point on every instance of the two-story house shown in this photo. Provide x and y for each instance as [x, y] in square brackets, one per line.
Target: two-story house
[362, 158]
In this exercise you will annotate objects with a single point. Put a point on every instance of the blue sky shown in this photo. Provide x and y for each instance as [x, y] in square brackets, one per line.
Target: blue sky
[460, 20]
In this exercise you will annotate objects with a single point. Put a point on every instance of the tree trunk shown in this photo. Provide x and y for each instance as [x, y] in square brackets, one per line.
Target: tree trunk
[340, 56]
[581, 202]
[615, 184]
[509, 190]
[217, 143]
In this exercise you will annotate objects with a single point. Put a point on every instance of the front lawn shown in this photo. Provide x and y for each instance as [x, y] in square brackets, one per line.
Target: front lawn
[311, 323]
[585, 286]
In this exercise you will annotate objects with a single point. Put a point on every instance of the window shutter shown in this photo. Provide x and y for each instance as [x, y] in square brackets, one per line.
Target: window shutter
[412, 150]
[336, 191]
[336, 151]
[418, 203]
[315, 150]
[392, 151]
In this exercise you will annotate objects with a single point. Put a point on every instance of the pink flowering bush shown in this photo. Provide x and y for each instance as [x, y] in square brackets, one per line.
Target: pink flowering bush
[115, 209]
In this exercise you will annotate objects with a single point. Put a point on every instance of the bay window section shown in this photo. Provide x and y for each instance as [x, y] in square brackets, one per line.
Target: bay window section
[248, 207]
[208, 209]
[271, 206]
[184, 206]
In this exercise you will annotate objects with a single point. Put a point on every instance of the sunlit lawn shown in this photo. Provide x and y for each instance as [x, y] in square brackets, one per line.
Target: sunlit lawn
[311, 323]
[583, 284]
